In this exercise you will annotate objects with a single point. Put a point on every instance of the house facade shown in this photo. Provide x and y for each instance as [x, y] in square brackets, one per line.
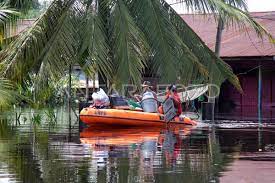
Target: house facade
[252, 60]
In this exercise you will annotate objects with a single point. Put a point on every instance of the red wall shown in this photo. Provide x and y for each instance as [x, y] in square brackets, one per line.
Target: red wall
[246, 104]
[250, 89]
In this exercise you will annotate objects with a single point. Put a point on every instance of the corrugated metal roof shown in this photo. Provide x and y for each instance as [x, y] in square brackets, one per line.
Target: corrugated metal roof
[236, 42]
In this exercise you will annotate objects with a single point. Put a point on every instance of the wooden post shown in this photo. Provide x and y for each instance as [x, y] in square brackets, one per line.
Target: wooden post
[260, 94]
[260, 97]
[87, 89]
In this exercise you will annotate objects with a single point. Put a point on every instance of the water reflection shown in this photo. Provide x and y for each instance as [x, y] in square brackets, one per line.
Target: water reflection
[154, 154]
[52, 152]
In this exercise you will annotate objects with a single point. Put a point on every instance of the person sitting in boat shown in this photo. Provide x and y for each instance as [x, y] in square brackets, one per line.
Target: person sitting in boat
[100, 99]
[146, 87]
[148, 99]
[171, 92]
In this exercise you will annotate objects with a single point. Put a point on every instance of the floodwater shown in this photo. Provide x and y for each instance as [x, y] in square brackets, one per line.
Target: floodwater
[42, 148]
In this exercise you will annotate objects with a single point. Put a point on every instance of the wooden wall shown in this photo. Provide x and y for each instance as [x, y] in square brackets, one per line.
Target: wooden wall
[231, 102]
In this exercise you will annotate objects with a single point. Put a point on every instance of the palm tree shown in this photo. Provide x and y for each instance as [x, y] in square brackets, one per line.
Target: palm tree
[21, 5]
[7, 94]
[6, 88]
[119, 39]
[8, 14]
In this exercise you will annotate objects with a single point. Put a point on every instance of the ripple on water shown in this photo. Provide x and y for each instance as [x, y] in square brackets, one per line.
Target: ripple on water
[44, 153]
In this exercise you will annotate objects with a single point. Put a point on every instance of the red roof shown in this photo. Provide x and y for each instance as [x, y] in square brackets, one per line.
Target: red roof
[236, 42]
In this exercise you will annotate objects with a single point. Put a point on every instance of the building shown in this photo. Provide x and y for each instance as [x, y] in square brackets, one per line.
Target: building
[252, 59]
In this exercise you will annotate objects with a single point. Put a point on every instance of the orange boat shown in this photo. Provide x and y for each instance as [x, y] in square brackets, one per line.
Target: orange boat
[127, 117]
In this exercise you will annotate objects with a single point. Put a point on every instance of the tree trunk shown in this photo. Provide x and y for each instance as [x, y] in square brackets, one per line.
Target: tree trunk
[219, 37]
[211, 99]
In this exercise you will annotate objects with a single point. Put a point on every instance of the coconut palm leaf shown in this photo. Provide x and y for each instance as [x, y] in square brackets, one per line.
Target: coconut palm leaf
[231, 12]
[214, 65]
[7, 15]
[51, 41]
[94, 48]
[171, 57]
[129, 46]
[203, 6]
[21, 5]
[8, 95]
[113, 36]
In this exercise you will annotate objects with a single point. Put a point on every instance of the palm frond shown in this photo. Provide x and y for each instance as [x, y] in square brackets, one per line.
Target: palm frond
[218, 69]
[7, 94]
[7, 16]
[51, 39]
[94, 48]
[171, 57]
[22, 5]
[206, 6]
[129, 46]
[231, 12]
[6, 13]
[117, 38]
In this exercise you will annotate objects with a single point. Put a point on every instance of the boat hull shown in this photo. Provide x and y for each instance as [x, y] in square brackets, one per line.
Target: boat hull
[126, 118]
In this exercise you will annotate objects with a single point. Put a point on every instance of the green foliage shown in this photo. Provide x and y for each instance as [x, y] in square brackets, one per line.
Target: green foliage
[7, 16]
[36, 10]
[7, 94]
[172, 58]
[39, 92]
[51, 116]
[94, 49]
[232, 12]
[12, 10]
[36, 119]
[117, 38]
[21, 5]
[129, 45]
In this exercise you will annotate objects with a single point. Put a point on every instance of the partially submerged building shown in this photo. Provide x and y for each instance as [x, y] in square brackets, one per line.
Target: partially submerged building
[252, 59]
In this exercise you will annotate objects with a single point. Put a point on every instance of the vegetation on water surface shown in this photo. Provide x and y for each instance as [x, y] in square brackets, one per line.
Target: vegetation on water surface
[119, 39]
